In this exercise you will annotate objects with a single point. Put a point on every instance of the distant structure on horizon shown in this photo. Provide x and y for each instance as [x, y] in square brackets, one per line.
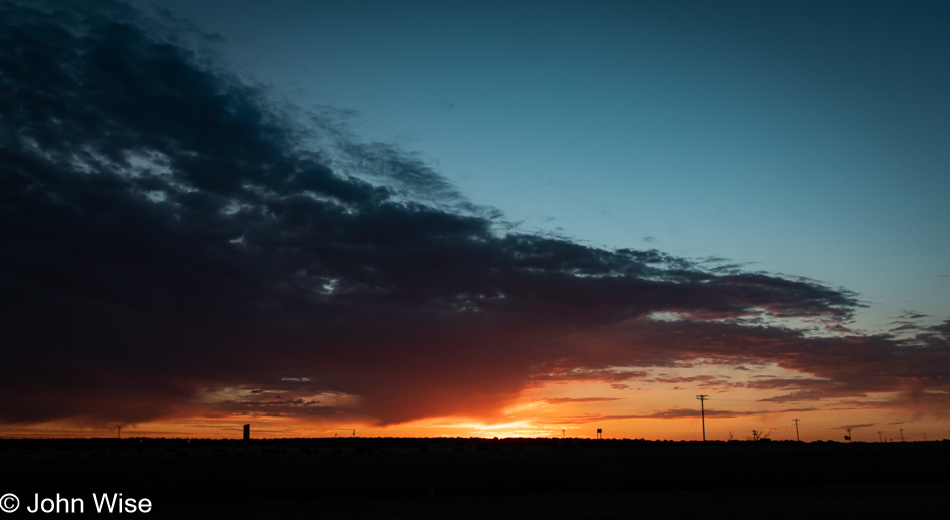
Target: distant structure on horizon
[247, 432]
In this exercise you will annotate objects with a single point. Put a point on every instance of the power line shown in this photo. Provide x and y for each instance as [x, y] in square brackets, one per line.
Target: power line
[702, 408]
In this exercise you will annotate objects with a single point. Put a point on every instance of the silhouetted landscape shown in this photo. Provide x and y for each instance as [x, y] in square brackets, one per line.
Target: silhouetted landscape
[486, 478]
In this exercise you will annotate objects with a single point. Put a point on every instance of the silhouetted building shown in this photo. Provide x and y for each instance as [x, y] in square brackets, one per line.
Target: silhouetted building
[247, 432]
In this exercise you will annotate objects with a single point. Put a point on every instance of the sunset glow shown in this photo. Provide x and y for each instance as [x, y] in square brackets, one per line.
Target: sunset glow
[475, 220]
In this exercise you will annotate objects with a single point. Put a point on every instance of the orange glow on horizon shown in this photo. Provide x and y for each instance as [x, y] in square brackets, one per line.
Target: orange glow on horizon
[574, 410]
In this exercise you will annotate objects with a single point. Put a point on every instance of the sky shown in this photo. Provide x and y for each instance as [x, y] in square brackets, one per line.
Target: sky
[475, 219]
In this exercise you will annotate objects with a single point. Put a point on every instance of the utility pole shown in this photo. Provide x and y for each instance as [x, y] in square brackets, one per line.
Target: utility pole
[902, 435]
[118, 434]
[879, 436]
[702, 409]
[797, 438]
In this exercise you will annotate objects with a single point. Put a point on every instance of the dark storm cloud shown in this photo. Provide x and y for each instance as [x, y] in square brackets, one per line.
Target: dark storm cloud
[170, 233]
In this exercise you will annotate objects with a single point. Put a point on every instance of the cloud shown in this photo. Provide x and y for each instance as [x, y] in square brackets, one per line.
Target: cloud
[669, 414]
[689, 413]
[176, 242]
[910, 315]
[558, 374]
[699, 381]
[562, 400]
[854, 427]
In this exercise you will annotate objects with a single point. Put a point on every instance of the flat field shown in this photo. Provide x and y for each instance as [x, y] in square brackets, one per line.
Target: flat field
[482, 478]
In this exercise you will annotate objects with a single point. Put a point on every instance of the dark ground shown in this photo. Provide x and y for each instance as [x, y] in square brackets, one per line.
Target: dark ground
[484, 478]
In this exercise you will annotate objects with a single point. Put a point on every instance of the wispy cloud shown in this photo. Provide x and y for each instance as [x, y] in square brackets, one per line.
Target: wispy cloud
[563, 400]
[668, 414]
